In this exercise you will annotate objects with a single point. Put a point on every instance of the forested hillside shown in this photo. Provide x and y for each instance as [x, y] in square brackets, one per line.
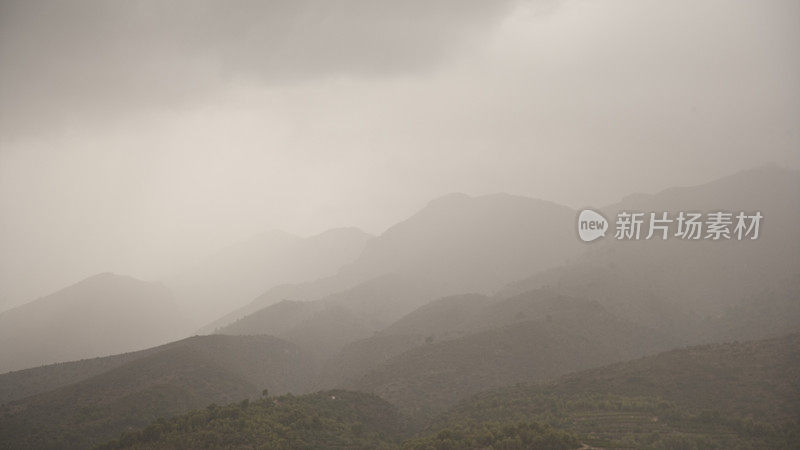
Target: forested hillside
[738, 395]
[330, 419]
[435, 375]
[735, 395]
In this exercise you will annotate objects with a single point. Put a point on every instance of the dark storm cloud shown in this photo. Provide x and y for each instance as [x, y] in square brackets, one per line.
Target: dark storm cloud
[67, 59]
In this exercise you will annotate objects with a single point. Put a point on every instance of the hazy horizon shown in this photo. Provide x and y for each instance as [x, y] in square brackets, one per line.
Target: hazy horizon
[138, 139]
[400, 224]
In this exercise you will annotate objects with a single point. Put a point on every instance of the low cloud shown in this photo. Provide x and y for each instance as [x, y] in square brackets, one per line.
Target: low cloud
[64, 60]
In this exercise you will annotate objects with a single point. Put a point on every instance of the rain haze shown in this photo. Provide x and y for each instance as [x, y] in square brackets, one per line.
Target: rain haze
[459, 224]
[138, 136]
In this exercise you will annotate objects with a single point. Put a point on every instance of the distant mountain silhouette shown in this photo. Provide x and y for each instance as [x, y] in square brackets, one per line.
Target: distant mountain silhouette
[323, 327]
[441, 318]
[101, 315]
[473, 244]
[429, 314]
[237, 274]
[460, 243]
[685, 287]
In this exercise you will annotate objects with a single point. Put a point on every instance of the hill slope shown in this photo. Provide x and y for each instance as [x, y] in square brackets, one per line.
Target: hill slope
[464, 244]
[473, 244]
[235, 275]
[433, 376]
[332, 419]
[324, 326]
[185, 375]
[740, 395]
[27, 382]
[757, 379]
[455, 317]
[101, 315]
[681, 287]
[735, 395]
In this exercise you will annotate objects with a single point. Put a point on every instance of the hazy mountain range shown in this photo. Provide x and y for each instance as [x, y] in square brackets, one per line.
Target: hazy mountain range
[237, 274]
[457, 243]
[718, 396]
[469, 294]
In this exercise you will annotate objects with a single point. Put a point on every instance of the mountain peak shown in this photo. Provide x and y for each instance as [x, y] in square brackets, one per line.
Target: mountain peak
[453, 197]
[457, 199]
[352, 232]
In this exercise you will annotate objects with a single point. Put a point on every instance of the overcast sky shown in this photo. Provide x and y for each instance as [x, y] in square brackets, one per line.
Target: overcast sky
[137, 136]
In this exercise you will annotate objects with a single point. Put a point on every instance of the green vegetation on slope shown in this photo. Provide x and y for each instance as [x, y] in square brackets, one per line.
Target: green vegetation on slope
[496, 436]
[331, 419]
[24, 383]
[611, 421]
[428, 379]
[739, 395]
[759, 379]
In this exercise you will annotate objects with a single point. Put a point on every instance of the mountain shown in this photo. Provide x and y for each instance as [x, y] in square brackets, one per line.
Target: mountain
[324, 326]
[775, 311]
[377, 302]
[101, 315]
[756, 379]
[681, 287]
[27, 382]
[298, 292]
[178, 377]
[361, 356]
[325, 332]
[473, 244]
[536, 336]
[440, 318]
[384, 299]
[452, 318]
[445, 318]
[417, 319]
[237, 274]
[732, 395]
[461, 243]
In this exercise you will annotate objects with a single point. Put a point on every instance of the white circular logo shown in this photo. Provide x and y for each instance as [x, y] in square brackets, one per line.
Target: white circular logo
[591, 225]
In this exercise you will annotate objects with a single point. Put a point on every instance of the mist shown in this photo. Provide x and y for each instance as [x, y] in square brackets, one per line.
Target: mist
[399, 224]
[139, 138]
